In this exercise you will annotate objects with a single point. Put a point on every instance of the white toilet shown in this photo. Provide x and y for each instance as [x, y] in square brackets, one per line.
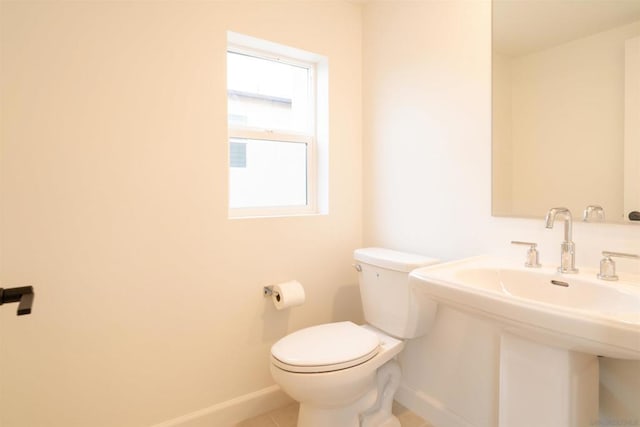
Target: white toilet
[345, 375]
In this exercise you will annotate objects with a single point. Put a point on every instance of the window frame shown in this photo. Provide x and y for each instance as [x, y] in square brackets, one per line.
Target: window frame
[238, 132]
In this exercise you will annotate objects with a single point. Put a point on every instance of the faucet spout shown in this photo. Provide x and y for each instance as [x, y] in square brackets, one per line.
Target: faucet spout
[567, 248]
[565, 214]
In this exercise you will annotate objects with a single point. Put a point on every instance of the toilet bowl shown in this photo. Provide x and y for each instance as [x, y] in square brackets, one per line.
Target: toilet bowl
[343, 374]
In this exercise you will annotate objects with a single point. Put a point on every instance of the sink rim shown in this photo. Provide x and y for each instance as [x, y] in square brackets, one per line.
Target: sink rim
[595, 332]
[623, 287]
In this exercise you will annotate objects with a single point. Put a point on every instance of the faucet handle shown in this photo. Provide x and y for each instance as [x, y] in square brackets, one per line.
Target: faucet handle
[532, 254]
[608, 266]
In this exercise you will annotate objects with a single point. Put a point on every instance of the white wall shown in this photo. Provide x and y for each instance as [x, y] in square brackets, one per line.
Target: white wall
[427, 175]
[113, 177]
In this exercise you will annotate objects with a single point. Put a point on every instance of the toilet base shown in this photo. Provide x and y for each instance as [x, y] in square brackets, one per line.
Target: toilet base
[344, 416]
[324, 418]
[387, 383]
[371, 410]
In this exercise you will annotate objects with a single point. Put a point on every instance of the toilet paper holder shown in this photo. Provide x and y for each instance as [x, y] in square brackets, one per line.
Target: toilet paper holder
[286, 294]
[268, 291]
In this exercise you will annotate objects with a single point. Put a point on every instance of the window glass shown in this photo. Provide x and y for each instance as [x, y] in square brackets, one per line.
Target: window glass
[268, 94]
[274, 173]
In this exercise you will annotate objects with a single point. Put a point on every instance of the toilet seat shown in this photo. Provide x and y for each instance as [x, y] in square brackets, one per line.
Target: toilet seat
[325, 348]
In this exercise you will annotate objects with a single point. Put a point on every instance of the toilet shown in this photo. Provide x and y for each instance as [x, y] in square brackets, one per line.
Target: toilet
[343, 374]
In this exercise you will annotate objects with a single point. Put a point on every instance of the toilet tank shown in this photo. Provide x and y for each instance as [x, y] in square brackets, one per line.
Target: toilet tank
[387, 301]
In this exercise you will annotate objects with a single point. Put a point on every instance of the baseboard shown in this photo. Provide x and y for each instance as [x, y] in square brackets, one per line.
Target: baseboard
[232, 411]
[429, 408]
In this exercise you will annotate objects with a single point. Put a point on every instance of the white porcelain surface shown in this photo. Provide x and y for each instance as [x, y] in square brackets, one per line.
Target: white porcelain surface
[387, 302]
[589, 315]
[337, 388]
[392, 260]
[325, 348]
[336, 398]
[541, 385]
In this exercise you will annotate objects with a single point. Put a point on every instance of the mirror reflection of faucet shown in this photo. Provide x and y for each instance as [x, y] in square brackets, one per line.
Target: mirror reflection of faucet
[593, 213]
[567, 248]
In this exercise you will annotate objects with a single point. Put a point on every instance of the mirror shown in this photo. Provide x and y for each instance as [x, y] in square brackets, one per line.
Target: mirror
[566, 107]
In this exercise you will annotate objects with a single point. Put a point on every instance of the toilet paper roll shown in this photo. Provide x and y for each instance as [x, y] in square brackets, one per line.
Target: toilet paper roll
[288, 294]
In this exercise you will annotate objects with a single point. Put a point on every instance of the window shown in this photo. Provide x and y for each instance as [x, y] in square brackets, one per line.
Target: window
[274, 152]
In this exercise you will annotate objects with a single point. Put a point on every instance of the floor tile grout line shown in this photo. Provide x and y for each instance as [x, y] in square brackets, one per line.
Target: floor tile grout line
[275, 423]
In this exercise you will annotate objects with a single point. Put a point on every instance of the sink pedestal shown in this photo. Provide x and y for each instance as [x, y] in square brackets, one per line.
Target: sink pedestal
[546, 386]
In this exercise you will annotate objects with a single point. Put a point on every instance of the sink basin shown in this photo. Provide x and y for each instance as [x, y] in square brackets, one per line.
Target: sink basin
[576, 312]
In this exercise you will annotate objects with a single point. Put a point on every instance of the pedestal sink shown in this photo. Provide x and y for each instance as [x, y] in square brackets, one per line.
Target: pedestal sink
[552, 328]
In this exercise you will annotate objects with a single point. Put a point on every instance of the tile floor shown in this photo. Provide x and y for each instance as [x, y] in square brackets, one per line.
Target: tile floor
[288, 417]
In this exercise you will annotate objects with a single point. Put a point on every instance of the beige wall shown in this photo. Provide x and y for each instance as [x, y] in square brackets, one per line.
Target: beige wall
[427, 175]
[114, 206]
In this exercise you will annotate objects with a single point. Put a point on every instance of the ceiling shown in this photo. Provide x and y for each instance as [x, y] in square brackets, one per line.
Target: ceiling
[525, 26]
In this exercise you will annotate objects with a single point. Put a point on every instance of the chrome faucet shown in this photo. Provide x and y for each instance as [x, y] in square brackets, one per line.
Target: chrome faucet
[567, 248]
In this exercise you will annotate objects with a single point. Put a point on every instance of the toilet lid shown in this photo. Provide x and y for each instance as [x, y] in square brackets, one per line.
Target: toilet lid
[325, 348]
